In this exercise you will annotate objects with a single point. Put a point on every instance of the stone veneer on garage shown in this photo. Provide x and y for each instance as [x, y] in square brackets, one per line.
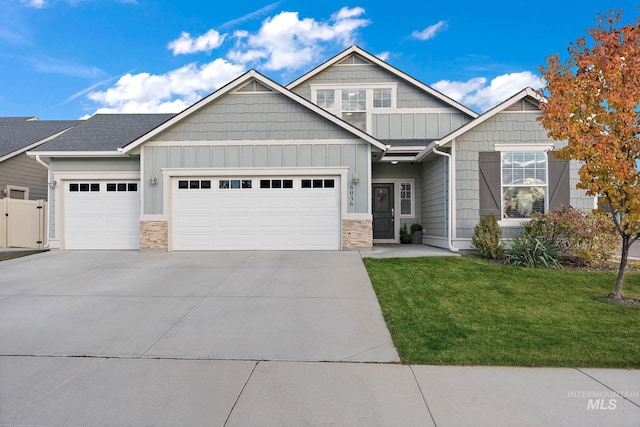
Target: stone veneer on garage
[154, 235]
[357, 234]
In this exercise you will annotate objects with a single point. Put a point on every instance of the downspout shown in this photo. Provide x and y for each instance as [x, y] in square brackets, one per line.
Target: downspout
[46, 165]
[450, 201]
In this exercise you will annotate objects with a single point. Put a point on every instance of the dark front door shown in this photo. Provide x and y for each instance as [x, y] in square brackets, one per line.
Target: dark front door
[383, 224]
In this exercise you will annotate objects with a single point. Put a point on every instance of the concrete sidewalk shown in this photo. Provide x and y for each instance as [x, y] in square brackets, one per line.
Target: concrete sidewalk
[65, 391]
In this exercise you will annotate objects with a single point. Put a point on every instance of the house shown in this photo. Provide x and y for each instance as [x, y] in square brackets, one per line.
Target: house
[22, 177]
[340, 158]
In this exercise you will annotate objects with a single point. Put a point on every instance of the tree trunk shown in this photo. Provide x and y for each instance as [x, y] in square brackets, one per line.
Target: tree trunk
[617, 292]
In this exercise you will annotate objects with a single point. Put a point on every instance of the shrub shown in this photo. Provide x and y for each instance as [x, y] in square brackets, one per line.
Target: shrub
[529, 251]
[584, 237]
[405, 237]
[487, 238]
[415, 227]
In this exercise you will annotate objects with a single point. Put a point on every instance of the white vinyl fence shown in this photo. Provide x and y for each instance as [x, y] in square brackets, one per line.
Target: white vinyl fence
[23, 223]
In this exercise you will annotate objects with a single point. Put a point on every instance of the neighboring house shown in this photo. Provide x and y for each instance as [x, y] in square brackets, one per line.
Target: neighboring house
[341, 158]
[22, 177]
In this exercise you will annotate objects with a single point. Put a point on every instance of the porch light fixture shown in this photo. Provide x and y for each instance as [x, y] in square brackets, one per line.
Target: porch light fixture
[153, 180]
[53, 183]
[356, 178]
[394, 162]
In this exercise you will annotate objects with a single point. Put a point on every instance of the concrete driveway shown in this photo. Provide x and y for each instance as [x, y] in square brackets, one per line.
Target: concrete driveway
[249, 339]
[315, 306]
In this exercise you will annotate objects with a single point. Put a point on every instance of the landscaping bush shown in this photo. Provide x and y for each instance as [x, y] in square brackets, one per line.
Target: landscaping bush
[487, 238]
[584, 237]
[529, 251]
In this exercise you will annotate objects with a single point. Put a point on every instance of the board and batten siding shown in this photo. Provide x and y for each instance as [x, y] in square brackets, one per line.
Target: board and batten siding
[292, 154]
[503, 128]
[435, 197]
[23, 171]
[64, 165]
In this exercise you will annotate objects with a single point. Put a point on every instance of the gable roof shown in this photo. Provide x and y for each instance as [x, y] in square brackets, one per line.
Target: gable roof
[19, 134]
[505, 105]
[265, 84]
[377, 61]
[103, 133]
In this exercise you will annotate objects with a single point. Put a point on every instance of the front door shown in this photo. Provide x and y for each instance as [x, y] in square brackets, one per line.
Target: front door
[383, 223]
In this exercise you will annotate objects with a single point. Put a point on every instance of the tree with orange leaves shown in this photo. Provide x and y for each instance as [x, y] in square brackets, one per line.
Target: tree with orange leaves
[592, 103]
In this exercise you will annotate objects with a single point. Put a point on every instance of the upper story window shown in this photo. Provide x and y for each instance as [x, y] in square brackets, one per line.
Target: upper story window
[354, 108]
[524, 184]
[326, 98]
[382, 98]
[354, 104]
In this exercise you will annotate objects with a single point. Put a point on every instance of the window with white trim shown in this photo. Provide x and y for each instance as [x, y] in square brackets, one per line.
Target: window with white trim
[406, 199]
[355, 104]
[382, 98]
[325, 98]
[354, 107]
[524, 184]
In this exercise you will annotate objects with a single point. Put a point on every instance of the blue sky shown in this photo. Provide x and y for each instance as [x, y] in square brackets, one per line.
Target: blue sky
[67, 59]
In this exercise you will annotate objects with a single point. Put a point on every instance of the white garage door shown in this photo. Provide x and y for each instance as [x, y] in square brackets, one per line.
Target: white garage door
[102, 215]
[257, 213]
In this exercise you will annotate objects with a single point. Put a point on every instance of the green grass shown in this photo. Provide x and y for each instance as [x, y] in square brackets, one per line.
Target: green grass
[465, 311]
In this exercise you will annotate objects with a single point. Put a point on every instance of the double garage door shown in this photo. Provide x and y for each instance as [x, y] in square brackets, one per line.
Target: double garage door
[256, 213]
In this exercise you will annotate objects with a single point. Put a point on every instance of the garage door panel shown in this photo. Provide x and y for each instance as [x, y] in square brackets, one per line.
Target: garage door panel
[257, 218]
[101, 219]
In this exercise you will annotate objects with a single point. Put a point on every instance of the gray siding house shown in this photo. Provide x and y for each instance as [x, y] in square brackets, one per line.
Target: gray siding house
[22, 177]
[340, 158]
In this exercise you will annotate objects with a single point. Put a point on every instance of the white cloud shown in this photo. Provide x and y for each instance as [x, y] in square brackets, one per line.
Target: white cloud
[287, 42]
[204, 43]
[169, 92]
[430, 31]
[38, 4]
[477, 94]
[283, 42]
[384, 55]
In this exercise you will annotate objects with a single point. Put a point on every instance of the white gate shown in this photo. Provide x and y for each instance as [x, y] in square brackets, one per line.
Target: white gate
[23, 223]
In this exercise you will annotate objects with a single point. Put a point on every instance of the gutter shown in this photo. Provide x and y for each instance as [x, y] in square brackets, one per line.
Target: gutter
[450, 202]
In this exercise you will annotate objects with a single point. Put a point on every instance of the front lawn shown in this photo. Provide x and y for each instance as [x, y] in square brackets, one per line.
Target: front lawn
[465, 311]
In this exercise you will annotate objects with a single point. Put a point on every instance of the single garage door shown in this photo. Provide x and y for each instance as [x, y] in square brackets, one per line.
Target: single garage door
[101, 215]
[256, 213]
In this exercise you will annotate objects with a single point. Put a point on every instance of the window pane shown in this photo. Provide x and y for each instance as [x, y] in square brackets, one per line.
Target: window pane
[265, 183]
[224, 183]
[317, 183]
[122, 187]
[329, 183]
[276, 183]
[358, 120]
[194, 184]
[235, 183]
[521, 202]
[247, 183]
[112, 186]
[405, 206]
[206, 184]
[405, 198]
[287, 183]
[354, 100]
[325, 98]
[305, 183]
[95, 187]
[84, 187]
[73, 187]
[381, 98]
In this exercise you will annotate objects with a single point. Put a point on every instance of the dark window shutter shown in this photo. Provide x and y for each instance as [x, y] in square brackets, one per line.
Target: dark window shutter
[559, 188]
[490, 188]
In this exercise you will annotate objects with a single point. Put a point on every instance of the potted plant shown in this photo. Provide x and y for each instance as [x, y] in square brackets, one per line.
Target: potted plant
[405, 237]
[416, 234]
